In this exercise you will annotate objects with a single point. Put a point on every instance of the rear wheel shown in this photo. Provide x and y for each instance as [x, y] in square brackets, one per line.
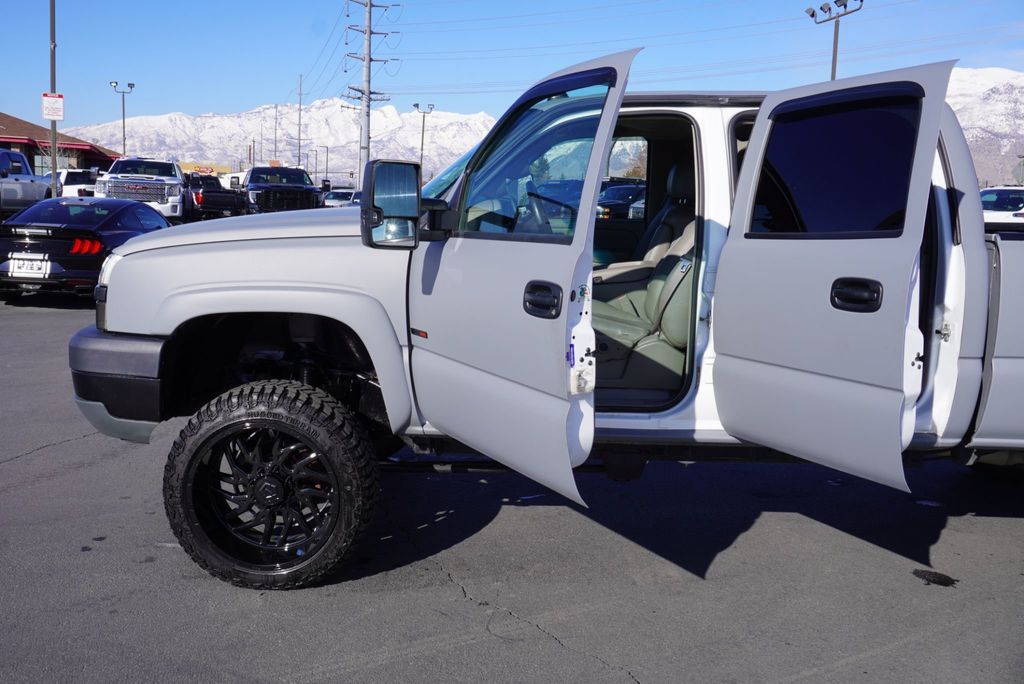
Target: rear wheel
[271, 485]
[8, 296]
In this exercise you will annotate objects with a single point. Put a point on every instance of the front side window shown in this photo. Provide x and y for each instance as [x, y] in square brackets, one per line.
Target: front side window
[530, 180]
[150, 219]
[841, 169]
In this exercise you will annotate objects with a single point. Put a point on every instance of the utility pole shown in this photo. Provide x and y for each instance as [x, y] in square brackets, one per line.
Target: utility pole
[53, 90]
[275, 131]
[366, 95]
[423, 128]
[327, 161]
[316, 162]
[827, 15]
[298, 155]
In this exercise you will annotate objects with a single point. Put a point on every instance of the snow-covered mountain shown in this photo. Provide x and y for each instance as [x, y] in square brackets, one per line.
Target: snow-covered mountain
[990, 105]
[989, 102]
[225, 138]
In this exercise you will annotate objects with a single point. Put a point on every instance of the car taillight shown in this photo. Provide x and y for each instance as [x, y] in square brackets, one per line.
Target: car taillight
[86, 247]
[198, 197]
[1019, 214]
[82, 192]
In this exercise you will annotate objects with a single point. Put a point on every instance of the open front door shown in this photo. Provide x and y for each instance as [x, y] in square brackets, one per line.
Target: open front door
[500, 311]
[816, 301]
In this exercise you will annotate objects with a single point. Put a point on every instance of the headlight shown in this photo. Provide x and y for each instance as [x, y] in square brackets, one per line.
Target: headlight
[172, 191]
[108, 266]
[101, 186]
[254, 196]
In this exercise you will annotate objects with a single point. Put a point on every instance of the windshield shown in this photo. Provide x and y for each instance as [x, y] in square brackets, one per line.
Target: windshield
[1002, 200]
[142, 167]
[621, 193]
[281, 176]
[339, 195]
[62, 214]
[444, 180]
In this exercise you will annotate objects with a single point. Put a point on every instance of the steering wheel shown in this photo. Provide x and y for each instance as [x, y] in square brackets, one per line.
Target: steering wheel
[534, 207]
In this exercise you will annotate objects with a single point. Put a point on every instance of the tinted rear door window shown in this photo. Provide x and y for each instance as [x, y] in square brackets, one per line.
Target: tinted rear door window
[838, 170]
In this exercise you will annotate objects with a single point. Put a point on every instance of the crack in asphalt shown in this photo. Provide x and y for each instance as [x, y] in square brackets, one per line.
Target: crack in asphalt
[466, 595]
[47, 446]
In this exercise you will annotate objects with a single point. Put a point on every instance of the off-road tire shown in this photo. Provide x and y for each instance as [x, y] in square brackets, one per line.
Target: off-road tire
[324, 423]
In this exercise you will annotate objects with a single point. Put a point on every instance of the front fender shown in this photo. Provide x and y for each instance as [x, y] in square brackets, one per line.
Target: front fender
[155, 292]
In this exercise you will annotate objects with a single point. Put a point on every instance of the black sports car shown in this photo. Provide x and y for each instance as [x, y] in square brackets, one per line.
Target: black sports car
[59, 244]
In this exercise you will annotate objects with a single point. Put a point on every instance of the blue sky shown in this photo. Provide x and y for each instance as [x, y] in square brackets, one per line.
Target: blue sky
[463, 55]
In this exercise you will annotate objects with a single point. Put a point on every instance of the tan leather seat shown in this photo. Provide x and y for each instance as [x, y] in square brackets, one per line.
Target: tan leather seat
[643, 335]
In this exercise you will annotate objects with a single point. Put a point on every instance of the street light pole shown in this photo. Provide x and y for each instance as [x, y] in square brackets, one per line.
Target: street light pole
[124, 136]
[826, 15]
[423, 127]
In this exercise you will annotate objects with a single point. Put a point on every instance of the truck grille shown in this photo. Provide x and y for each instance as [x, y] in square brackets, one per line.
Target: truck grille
[136, 190]
[283, 200]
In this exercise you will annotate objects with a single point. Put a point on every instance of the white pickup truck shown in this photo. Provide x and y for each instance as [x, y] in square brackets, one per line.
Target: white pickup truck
[812, 276]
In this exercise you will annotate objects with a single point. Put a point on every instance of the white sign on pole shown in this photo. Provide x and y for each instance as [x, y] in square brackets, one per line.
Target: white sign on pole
[53, 106]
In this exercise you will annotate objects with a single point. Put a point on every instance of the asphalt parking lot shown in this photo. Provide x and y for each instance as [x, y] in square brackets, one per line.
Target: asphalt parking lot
[737, 572]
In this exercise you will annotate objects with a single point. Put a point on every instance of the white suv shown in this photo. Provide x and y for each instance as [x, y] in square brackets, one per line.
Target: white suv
[1003, 204]
[158, 183]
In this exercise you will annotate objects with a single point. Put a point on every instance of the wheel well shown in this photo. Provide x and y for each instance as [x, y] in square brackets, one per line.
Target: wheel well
[211, 354]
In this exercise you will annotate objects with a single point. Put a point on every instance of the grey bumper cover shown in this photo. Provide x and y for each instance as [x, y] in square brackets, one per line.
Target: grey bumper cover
[117, 381]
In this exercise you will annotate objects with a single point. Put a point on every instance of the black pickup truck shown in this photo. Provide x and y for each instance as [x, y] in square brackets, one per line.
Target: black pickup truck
[279, 188]
[209, 199]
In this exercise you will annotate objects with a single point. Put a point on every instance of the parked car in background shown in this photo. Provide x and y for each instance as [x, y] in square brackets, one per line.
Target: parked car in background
[637, 209]
[157, 182]
[1003, 207]
[338, 198]
[59, 244]
[280, 188]
[615, 200]
[19, 186]
[212, 200]
[76, 182]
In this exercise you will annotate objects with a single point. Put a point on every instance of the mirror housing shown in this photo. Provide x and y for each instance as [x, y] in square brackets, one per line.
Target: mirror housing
[390, 206]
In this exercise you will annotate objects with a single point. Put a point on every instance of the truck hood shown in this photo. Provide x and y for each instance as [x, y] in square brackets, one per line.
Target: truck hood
[333, 222]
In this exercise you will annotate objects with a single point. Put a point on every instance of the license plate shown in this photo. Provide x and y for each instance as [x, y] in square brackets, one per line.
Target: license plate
[29, 266]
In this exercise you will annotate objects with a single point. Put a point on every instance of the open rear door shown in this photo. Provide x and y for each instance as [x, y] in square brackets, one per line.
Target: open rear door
[816, 300]
[500, 311]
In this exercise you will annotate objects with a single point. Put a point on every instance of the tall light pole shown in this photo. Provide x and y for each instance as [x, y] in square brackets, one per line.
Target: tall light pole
[327, 161]
[842, 9]
[423, 127]
[124, 136]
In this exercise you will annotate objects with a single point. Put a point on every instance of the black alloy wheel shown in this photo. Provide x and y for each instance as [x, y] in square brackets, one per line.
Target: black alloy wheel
[270, 485]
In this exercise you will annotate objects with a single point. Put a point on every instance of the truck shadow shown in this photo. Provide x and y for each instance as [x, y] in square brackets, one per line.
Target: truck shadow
[688, 514]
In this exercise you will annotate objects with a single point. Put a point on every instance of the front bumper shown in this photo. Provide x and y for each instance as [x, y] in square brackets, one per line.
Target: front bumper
[117, 381]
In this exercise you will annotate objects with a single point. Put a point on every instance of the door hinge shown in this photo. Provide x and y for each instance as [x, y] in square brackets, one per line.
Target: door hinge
[945, 332]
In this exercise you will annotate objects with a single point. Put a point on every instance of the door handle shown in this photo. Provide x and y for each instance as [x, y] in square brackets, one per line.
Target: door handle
[858, 295]
[542, 299]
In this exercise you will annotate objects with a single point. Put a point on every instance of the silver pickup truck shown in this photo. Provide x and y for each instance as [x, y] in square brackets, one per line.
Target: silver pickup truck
[19, 186]
[812, 277]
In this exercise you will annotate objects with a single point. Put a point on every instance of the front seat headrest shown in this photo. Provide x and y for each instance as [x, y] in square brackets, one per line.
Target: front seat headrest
[680, 184]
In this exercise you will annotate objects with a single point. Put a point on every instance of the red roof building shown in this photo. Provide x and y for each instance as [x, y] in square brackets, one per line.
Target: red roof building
[33, 141]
